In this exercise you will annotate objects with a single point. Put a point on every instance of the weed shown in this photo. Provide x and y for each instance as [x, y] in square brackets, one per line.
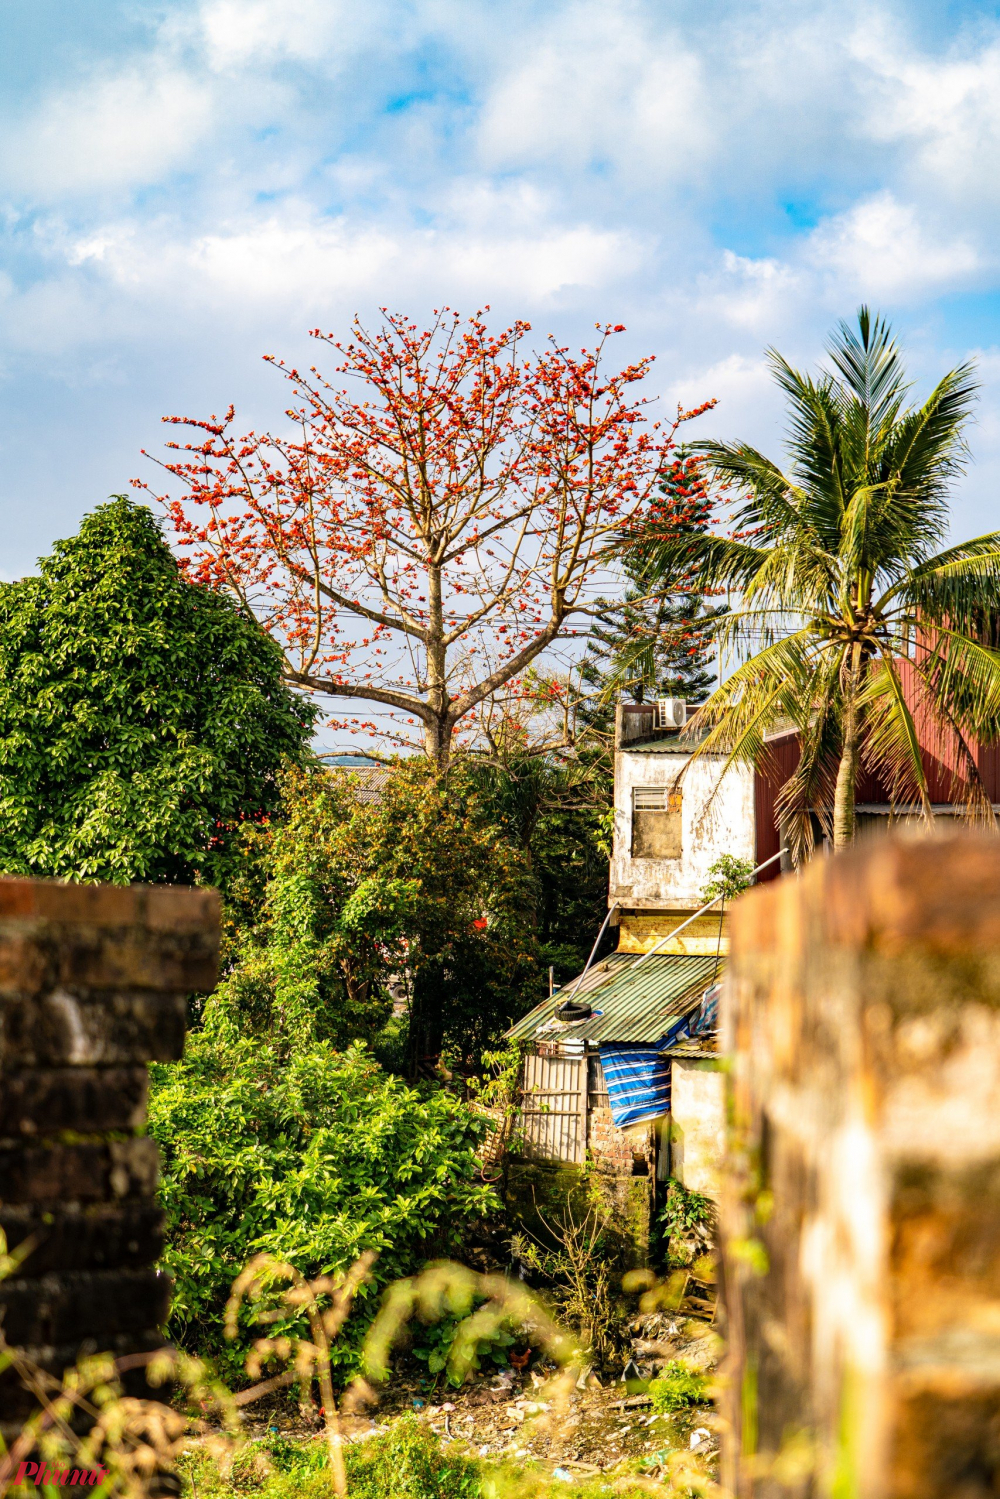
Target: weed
[676, 1387]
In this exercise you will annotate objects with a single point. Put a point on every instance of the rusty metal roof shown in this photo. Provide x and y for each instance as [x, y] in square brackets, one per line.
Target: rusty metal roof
[635, 1004]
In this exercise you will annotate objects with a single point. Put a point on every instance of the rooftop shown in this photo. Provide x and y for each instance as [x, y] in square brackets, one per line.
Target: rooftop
[630, 1002]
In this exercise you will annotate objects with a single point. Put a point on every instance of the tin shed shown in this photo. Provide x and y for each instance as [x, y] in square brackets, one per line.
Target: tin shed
[601, 1083]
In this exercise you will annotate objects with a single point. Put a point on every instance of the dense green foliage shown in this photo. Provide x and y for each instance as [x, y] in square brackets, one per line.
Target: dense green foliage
[308, 1154]
[404, 883]
[406, 1461]
[142, 718]
[435, 1343]
[280, 1134]
[556, 814]
[685, 1211]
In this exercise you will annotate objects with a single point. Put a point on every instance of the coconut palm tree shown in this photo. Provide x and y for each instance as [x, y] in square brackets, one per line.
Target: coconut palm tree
[851, 621]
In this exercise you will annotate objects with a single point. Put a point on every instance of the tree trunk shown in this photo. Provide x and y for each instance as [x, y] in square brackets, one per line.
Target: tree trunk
[437, 733]
[847, 770]
[437, 742]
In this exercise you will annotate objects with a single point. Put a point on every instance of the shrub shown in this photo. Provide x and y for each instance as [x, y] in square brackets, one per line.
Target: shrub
[687, 1222]
[313, 1156]
[434, 1345]
[409, 1462]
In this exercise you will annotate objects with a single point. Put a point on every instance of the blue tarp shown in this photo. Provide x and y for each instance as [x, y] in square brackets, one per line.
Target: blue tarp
[638, 1077]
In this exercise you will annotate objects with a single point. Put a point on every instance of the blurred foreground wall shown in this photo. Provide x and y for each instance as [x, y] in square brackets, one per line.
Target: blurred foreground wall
[93, 984]
[861, 1211]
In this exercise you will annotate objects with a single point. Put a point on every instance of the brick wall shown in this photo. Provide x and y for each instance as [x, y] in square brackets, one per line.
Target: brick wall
[610, 1146]
[93, 985]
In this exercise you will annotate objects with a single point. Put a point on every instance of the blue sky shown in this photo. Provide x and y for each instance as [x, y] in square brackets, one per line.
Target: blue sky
[187, 186]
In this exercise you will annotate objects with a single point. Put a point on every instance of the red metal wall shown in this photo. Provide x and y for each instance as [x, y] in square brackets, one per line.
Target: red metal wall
[943, 767]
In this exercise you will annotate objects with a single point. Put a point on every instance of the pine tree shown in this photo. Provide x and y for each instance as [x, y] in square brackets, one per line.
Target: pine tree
[656, 642]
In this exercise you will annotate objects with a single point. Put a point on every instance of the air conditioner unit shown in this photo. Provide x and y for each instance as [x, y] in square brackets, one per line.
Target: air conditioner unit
[671, 713]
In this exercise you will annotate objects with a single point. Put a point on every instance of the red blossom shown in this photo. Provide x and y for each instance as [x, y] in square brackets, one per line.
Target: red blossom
[422, 545]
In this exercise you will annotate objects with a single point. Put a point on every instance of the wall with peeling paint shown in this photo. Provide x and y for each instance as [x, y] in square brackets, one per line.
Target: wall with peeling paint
[717, 813]
[698, 1125]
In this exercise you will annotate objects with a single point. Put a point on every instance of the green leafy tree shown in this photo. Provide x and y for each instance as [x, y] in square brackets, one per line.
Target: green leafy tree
[855, 623]
[555, 812]
[142, 718]
[403, 887]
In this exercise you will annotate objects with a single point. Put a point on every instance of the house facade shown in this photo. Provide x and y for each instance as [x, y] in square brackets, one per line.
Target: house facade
[624, 1082]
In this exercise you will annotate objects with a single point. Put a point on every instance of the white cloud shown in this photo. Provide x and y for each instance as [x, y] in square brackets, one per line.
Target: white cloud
[115, 131]
[881, 249]
[298, 260]
[239, 32]
[946, 107]
[752, 294]
[743, 387]
[600, 82]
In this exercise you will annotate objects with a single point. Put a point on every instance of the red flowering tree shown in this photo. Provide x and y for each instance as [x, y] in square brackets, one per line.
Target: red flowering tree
[418, 540]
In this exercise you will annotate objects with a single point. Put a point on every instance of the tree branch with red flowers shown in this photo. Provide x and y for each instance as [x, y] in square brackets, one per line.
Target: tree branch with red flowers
[419, 541]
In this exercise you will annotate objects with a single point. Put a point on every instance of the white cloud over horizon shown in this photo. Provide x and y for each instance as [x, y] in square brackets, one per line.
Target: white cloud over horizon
[720, 178]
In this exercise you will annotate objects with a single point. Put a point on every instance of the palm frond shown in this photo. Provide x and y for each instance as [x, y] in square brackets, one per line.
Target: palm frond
[964, 676]
[706, 561]
[809, 791]
[870, 365]
[963, 592]
[753, 699]
[769, 499]
[926, 449]
[814, 443]
[890, 742]
[942, 735]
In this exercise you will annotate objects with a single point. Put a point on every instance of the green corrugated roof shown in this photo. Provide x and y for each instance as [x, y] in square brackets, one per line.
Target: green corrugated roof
[636, 1003]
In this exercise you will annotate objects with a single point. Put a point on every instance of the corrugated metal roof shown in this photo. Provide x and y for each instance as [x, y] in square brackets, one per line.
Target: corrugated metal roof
[671, 746]
[635, 1004]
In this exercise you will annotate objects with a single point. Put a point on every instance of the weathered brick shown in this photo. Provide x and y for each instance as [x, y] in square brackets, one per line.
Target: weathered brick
[93, 981]
[98, 937]
[85, 1099]
[36, 958]
[84, 1030]
[18, 1403]
[68, 1307]
[158, 907]
[98, 1171]
[76, 1237]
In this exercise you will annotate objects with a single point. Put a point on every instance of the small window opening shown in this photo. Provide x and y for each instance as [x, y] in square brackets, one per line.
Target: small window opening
[656, 823]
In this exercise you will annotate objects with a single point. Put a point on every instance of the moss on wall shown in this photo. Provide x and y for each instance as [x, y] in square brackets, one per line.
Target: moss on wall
[539, 1194]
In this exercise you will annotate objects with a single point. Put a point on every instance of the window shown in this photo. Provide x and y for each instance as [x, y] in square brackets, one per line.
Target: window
[656, 822]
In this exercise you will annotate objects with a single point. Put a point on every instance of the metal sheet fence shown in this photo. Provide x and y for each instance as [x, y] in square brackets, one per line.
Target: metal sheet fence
[554, 1108]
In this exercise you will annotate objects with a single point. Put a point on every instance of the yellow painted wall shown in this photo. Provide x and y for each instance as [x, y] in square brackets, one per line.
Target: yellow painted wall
[640, 933]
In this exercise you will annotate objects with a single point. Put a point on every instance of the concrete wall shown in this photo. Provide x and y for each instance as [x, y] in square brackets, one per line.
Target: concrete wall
[698, 1136]
[716, 819]
[861, 1206]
